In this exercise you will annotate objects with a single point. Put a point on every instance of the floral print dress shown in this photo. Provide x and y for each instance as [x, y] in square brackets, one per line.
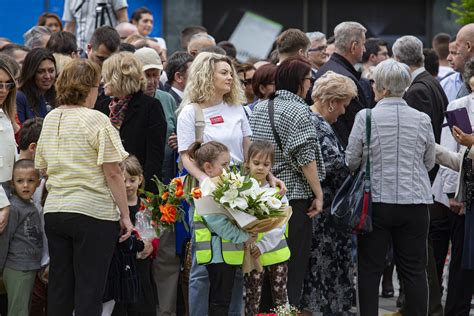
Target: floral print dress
[328, 285]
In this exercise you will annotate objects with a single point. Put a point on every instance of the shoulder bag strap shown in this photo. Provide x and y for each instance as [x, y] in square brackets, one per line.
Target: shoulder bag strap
[271, 115]
[368, 127]
[199, 123]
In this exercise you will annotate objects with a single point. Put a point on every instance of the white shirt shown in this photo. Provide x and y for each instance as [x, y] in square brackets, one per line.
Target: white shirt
[7, 148]
[225, 123]
[83, 12]
[451, 85]
[443, 71]
[178, 92]
[447, 176]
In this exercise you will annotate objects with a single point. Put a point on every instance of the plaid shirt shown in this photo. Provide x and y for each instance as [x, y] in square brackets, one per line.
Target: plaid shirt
[298, 138]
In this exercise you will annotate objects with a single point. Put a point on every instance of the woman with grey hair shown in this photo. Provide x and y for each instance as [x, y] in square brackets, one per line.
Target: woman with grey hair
[37, 36]
[401, 151]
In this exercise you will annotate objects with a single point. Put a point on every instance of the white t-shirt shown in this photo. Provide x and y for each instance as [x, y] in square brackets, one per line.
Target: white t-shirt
[225, 123]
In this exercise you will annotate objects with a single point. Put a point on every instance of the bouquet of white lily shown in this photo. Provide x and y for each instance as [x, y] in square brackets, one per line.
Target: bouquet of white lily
[240, 197]
[243, 193]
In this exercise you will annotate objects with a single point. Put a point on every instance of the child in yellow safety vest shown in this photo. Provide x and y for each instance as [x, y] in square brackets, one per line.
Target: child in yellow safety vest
[271, 248]
[218, 244]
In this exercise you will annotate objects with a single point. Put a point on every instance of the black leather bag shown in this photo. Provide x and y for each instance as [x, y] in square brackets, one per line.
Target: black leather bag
[351, 209]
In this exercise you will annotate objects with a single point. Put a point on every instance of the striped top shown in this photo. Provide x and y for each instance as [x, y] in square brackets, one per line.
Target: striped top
[73, 145]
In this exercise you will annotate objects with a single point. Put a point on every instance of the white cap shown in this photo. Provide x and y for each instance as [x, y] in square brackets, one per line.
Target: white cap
[149, 58]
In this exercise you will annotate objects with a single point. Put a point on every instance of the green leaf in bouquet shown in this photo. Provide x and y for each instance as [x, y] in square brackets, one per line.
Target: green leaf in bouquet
[246, 186]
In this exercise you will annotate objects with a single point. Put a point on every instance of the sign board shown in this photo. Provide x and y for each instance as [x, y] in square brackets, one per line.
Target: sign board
[254, 36]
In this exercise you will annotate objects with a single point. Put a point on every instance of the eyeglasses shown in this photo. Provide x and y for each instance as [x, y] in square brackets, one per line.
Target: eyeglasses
[385, 54]
[318, 49]
[308, 78]
[7, 86]
[246, 82]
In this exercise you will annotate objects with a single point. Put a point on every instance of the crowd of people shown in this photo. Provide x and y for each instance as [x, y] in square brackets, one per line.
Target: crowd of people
[90, 115]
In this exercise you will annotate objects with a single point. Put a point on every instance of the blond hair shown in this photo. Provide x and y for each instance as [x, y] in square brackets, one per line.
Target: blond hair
[200, 86]
[76, 80]
[123, 73]
[333, 86]
[61, 61]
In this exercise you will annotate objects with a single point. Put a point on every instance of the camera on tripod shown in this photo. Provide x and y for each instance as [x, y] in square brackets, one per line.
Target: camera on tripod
[101, 12]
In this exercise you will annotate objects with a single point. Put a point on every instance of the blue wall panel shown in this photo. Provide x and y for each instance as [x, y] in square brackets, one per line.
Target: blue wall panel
[17, 16]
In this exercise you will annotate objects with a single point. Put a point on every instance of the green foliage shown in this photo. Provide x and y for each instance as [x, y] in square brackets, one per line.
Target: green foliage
[463, 10]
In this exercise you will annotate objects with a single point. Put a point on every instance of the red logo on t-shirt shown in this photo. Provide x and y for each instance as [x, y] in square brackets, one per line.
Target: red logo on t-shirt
[217, 120]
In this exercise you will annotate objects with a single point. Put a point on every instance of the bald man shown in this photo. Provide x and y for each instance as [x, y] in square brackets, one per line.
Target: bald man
[125, 29]
[465, 49]
[200, 41]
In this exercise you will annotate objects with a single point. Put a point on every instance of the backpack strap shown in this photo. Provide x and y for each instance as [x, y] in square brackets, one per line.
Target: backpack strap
[199, 123]
[271, 115]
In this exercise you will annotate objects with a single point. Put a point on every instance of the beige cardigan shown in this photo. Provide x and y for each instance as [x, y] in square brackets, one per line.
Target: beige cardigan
[454, 161]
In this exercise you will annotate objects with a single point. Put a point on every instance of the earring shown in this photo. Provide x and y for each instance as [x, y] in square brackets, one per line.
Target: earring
[331, 109]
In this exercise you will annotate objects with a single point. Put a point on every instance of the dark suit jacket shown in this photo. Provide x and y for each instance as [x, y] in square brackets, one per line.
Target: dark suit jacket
[344, 123]
[176, 97]
[143, 134]
[426, 95]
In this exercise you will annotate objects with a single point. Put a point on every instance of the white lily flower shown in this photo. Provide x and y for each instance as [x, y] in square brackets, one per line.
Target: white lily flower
[273, 202]
[232, 198]
[207, 187]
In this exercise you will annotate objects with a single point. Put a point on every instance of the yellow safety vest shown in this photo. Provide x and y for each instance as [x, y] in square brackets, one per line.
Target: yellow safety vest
[279, 254]
[232, 254]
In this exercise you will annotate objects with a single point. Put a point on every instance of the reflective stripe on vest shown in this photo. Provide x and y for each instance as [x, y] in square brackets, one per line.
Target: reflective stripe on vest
[232, 254]
[279, 254]
[202, 240]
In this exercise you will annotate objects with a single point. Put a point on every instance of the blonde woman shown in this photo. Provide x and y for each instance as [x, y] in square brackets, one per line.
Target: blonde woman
[80, 151]
[328, 282]
[214, 87]
[139, 118]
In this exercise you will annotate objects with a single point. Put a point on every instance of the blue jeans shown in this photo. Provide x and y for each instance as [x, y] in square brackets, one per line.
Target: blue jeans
[199, 287]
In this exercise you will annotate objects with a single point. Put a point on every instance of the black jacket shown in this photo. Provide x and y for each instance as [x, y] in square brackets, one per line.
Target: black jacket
[426, 95]
[143, 134]
[176, 97]
[344, 123]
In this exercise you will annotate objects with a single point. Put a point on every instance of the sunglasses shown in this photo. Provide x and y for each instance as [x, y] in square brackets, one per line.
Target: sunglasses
[318, 49]
[7, 86]
[246, 82]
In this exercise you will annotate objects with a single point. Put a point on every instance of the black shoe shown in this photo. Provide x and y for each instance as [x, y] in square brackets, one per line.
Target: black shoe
[387, 293]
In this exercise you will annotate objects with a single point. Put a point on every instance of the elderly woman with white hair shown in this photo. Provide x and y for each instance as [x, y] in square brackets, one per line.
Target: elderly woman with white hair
[401, 151]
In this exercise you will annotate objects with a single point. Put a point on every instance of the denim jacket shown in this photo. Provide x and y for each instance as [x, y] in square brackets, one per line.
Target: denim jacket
[402, 151]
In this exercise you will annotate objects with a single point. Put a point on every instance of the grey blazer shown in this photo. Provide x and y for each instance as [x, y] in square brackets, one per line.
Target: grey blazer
[402, 151]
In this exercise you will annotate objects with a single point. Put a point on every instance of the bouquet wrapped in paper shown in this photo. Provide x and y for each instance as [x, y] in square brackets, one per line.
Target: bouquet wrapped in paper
[165, 206]
[251, 207]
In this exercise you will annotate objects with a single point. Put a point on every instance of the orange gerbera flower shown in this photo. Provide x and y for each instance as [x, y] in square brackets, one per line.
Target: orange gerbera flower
[168, 213]
[196, 193]
[179, 191]
[142, 206]
[165, 195]
[177, 181]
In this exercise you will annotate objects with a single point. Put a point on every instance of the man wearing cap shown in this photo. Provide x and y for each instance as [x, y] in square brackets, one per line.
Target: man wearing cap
[166, 266]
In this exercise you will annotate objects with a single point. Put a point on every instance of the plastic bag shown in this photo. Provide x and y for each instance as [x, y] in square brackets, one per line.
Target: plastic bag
[143, 225]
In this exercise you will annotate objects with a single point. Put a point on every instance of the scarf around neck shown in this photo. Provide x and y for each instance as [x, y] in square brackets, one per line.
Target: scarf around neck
[118, 107]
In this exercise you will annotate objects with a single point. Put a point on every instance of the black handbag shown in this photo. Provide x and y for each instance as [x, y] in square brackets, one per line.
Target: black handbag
[351, 209]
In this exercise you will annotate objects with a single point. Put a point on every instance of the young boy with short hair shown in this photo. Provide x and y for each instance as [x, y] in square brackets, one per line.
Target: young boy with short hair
[21, 244]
